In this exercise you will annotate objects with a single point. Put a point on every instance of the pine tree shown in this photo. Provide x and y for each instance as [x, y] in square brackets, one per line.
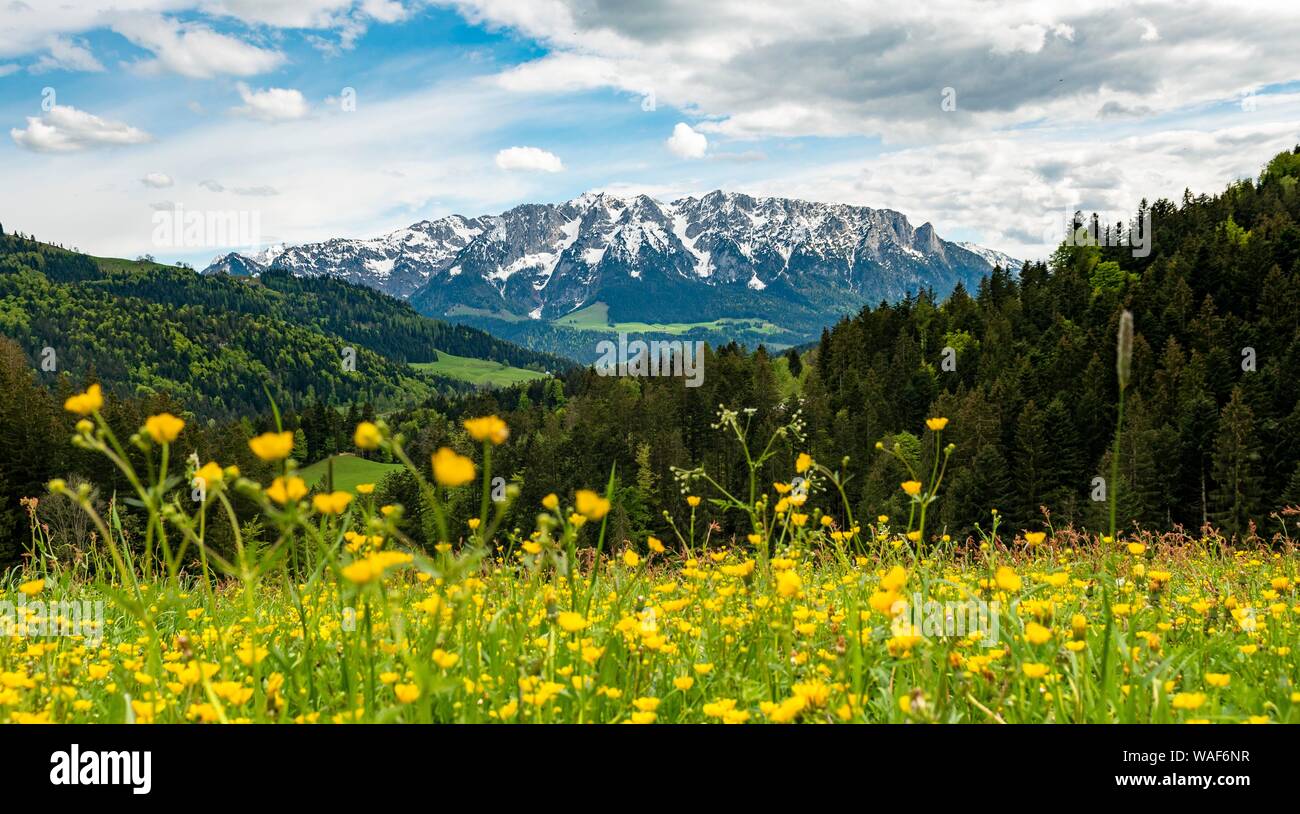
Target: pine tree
[1236, 467]
[794, 361]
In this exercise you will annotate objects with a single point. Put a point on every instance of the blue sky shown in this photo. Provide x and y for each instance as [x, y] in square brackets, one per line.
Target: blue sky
[990, 123]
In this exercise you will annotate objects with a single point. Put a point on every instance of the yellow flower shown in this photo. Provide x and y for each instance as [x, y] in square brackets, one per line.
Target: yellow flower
[488, 428]
[1217, 679]
[631, 559]
[1136, 548]
[912, 487]
[451, 468]
[683, 683]
[210, 474]
[85, 403]
[1034, 670]
[365, 488]
[272, 446]
[590, 505]
[893, 580]
[692, 501]
[936, 424]
[1079, 626]
[333, 503]
[373, 566]
[32, 588]
[474, 523]
[571, 621]
[655, 545]
[551, 502]
[1034, 538]
[802, 463]
[406, 693]
[163, 428]
[1037, 634]
[1007, 579]
[1188, 700]
[788, 583]
[444, 659]
[287, 490]
[367, 436]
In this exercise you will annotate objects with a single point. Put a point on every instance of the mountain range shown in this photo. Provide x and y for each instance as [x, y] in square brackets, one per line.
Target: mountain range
[776, 267]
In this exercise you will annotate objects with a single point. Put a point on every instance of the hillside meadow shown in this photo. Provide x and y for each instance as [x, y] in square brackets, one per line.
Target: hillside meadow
[331, 615]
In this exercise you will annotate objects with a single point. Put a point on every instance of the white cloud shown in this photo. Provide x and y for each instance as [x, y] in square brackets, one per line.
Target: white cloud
[271, 104]
[528, 159]
[877, 67]
[5, 70]
[1015, 192]
[686, 142]
[65, 129]
[192, 49]
[66, 54]
[157, 180]
[397, 179]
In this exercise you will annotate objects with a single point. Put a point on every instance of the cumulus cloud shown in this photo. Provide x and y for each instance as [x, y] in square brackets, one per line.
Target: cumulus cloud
[528, 159]
[686, 142]
[193, 49]
[271, 104]
[157, 180]
[877, 68]
[65, 129]
[66, 54]
[256, 191]
[1015, 193]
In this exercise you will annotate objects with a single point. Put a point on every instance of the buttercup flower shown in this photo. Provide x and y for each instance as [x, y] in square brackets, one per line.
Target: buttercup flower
[590, 505]
[287, 490]
[209, 475]
[487, 428]
[272, 446]
[451, 469]
[367, 436]
[163, 428]
[332, 503]
[87, 402]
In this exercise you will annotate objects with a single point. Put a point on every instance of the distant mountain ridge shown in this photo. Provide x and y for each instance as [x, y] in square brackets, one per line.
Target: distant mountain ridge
[795, 263]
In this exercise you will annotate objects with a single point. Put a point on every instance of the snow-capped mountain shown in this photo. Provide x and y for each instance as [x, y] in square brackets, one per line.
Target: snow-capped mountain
[992, 256]
[692, 259]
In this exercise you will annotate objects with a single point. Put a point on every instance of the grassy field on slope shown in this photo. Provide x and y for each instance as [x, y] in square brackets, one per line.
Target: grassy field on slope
[478, 371]
[349, 470]
[595, 317]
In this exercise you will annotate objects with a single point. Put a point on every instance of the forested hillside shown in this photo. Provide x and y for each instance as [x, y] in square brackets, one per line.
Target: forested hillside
[217, 344]
[1212, 420]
